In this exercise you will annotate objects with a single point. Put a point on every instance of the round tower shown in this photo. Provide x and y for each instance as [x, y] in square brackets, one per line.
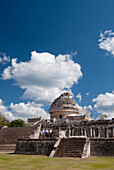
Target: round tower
[63, 106]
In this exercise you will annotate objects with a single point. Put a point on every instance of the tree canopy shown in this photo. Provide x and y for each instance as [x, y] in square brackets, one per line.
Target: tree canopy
[3, 120]
[17, 123]
[102, 116]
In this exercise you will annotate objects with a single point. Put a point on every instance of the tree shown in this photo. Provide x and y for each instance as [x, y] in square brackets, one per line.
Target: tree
[102, 116]
[3, 120]
[17, 123]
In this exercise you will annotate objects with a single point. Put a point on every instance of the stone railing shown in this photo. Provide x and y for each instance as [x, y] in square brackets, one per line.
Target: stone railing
[92, 129]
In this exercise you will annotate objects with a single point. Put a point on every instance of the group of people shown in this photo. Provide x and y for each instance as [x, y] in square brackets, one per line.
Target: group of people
[50, 121]
[46, 134]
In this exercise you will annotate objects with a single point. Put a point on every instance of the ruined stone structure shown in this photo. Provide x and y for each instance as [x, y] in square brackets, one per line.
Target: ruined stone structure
[33, 121]
[9, 136]
[67, 134]
[62, 107]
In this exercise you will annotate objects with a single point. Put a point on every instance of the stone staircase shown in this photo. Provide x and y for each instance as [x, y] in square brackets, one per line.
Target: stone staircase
[71, 147]
[36, 133]
[7, 147]
[9, 136]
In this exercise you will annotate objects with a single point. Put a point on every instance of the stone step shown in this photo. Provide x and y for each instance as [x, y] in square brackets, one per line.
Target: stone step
[70, 151]
[75, 148]
[69, 155]
[65, 151]
[78, 154]
[72, 147]
[75, 154]
[71, 144]
[65, 146]
[7, 147]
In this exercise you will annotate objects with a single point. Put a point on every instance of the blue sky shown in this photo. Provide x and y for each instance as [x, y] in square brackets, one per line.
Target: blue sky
[71, 28]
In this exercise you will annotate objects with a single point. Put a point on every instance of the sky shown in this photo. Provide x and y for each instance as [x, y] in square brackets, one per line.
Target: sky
[49, 47]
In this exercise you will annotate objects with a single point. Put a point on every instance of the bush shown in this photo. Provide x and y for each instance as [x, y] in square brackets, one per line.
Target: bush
[3, 120]
[17, 123]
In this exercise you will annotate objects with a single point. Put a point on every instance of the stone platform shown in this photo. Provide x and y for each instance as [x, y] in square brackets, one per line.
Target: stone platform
[67, 147]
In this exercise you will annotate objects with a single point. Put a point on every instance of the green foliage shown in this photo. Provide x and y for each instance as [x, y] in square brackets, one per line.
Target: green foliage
[102, 117]
[3, 120]
[17, 123]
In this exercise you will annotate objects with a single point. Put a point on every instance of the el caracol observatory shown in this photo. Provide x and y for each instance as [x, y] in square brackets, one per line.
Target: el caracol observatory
[63, 106]
[70, 135]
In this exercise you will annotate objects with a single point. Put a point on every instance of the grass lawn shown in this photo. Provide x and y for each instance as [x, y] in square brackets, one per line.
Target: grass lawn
[27, 162]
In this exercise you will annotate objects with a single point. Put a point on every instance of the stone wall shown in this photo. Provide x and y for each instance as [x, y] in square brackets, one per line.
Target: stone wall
[102, 147]
[90, 129]
[33, 121]
[34, 146]
[71, 147]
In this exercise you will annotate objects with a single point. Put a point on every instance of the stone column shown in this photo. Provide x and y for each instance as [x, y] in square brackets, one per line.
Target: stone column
[75, 131]
[106, 132]
[85, 132]
[99, 132]
[72, 131]
[91, 132]
[112, 131]
[81, 131]
[69, 131]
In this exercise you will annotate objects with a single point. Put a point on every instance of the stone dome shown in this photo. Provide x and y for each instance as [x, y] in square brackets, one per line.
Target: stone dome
[64, 103]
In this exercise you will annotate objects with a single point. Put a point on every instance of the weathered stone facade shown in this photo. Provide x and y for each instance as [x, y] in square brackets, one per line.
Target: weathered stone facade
[102, 147]
[62, 107]
[70, 138]
[68, 135]
[90, 129]
[67, 147]
[35, 146]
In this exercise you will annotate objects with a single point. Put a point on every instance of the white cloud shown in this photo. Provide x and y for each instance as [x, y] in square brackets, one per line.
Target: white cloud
[79, 96]
[105, 104]
[90, 107]
[87, 94]
[31, 109]
[84, 110]
[5, 112]
[23, 111]
[73, 53]
[4, 58]
[45, 76]
[107, 41]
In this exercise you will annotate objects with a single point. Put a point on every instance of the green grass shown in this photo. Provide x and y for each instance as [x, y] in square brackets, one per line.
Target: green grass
[28, 162]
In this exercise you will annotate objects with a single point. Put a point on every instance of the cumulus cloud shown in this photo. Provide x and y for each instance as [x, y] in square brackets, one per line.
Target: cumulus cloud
[23, 111]
[89, 107]
[5, 112]
[87, 94]
[105, 104]
[84, 110]
[79, 96]
[45, 76]
[31, 109]
[4, 58]
[107, 41]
